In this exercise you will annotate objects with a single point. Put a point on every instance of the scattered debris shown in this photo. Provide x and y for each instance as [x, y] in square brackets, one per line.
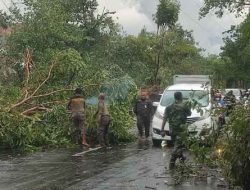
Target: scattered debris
[84, 152]
[159, 177]
[221, 185]
[170, 182]
[147, 187]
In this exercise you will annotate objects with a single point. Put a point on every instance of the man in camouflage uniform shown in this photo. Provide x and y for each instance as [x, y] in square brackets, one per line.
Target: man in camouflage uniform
[103, 119]
[176, 114]
[230, 101]
[143, 110]
[230, 97]
[77, 108]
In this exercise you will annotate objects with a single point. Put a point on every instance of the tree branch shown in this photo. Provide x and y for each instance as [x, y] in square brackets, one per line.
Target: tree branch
[47, 78]
[61, 90]
[51, 93]
[36, 108]
[31, 96]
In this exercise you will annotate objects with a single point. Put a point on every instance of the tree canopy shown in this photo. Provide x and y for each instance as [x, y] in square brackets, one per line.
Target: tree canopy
[167, 13]
[219, 6]
[56, 46]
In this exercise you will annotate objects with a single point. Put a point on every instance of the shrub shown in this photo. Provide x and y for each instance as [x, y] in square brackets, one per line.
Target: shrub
[235, 159]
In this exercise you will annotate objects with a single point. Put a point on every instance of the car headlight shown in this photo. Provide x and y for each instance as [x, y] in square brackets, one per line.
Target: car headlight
[158, 115]
[157, 131]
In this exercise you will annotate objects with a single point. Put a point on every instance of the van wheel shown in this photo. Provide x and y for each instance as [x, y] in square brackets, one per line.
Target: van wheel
[156, 142]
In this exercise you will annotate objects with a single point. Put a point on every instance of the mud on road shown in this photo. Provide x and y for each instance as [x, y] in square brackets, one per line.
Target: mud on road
[136, 166]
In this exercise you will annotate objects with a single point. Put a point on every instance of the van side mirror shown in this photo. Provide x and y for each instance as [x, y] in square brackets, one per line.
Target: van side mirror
[155, 104]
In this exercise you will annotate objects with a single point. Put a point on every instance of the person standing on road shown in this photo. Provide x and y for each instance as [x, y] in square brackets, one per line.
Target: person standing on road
[103, 119]
[230, 97]
[143, 109]
[176, 114]
[77, 108]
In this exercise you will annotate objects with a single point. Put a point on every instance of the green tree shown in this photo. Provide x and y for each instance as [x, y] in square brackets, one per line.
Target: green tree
[167, 13]
[166, 17]
[234, 6]
[4, 20]
[235, 145]
[236, 49]
[65, 43]
[59, 25]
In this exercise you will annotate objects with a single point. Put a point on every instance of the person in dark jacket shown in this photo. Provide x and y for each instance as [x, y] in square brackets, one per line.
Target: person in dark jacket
[143, 110]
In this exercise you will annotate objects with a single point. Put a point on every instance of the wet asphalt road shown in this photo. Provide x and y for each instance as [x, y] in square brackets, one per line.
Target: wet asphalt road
[131, 167]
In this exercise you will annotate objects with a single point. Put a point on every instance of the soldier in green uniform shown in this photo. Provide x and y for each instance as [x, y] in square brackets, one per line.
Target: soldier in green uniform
[176, 114]
[77, 108]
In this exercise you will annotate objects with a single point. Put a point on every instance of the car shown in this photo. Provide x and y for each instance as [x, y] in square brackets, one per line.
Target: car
[156, 102]
[197, 122]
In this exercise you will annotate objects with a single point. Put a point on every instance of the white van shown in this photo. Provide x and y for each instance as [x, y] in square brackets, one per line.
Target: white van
[191, 86]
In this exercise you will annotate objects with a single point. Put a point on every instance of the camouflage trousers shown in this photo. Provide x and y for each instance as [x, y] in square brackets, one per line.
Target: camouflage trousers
[177, 152]
[79, 123]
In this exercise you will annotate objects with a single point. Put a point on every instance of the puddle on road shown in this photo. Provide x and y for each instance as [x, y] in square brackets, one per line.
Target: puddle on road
[123, 167]
[56, 167]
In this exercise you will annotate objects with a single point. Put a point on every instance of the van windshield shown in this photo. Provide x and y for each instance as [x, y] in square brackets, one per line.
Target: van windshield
[201, 96]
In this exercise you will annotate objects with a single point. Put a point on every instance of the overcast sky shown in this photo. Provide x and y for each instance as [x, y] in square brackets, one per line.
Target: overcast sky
[133, 15]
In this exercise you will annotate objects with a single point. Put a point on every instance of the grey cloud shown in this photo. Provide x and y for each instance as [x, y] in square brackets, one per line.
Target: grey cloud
[148, 8]
[207, 31]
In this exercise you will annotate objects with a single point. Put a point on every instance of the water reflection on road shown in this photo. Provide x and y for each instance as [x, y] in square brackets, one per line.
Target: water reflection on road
[134, 166]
